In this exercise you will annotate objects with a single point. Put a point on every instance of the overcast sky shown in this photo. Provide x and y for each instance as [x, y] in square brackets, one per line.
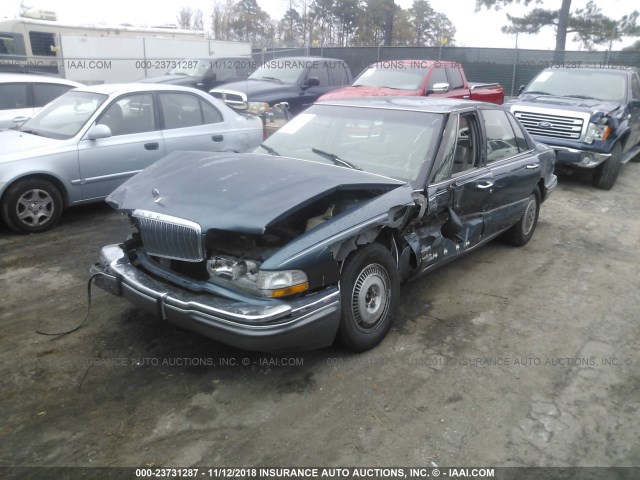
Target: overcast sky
[481, 29]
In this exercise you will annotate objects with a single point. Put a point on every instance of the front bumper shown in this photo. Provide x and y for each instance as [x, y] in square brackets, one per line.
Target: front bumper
[306, 323]
[578, 157]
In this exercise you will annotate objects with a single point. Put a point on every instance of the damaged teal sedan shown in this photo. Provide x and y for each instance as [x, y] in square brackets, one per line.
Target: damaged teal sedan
[307, 240]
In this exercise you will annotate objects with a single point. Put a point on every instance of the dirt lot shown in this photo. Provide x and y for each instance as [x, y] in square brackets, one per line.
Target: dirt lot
[508, 357]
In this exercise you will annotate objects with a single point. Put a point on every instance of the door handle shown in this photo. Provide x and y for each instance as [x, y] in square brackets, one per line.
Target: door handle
[217, 138]
[484, 185]
[532, 166]
[466, 97]
[152, 146]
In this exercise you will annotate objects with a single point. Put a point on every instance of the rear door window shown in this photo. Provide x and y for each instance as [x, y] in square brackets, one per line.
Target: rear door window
[501, 140]
[180, 110]
[523, 146]
[183, 110]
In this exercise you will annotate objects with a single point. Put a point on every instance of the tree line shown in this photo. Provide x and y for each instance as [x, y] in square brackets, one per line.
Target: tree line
[327, 23]
[382, 22]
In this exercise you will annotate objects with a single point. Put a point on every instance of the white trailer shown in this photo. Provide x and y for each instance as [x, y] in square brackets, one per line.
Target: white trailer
[94, 54]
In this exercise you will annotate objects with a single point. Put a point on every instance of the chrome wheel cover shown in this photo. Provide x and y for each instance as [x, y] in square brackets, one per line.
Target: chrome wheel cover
[529, 217]
[371, 297]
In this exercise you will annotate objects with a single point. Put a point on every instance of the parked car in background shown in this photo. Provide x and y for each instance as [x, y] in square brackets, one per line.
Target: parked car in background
[589, 116]
[22, 95]
[299, 81]
[418, 77]
[308, 238]
[89, 140]
[206, 73]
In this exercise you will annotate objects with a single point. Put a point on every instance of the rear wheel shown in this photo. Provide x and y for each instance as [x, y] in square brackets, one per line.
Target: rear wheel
[605, 174]
[370, 289]
[522, 231]
[31, 206]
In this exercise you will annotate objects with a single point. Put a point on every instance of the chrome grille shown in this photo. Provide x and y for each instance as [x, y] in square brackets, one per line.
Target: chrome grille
[170, 237]
[547, 125]
[231, 98]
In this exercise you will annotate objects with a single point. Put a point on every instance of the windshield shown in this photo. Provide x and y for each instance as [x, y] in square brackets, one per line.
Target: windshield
[395, 143]
[192, 68]
[65, 116]
[281, 71]
[605, 85]
[399, 78]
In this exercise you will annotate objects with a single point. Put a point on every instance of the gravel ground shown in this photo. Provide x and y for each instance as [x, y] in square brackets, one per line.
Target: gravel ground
[507, 357]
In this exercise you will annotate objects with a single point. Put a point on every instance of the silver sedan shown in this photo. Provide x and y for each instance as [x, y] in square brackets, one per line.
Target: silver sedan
[88, 141]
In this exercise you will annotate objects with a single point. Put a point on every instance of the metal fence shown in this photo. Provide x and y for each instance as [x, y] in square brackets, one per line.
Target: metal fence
[507, 66]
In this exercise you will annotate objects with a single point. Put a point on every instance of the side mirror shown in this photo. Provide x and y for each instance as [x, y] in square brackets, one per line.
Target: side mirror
[439, 88]
[521, 89]
[99, 131]
[311, 82]
[19, 120]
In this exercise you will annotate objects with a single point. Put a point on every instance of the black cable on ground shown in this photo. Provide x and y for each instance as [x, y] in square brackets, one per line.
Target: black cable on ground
[91, 279]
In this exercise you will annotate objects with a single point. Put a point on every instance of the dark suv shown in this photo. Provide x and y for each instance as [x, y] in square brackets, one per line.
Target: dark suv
[206, 73]
[299, 81]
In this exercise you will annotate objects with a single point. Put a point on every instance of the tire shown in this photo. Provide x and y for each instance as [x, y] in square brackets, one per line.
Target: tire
[521, 232]
[31, 206]
[370, 290]
[605, 174]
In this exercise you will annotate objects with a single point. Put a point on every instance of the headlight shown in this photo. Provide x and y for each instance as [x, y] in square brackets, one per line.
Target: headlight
[282, 283]
[257, 108]
[597, 132]
[245, 274]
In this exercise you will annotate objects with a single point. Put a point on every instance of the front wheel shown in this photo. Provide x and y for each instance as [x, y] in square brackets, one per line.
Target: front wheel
[605, 174]
[370, 290]
[522, 231]
[31, 206]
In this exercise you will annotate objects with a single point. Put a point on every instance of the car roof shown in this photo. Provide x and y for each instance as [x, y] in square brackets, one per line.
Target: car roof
[117, 88]
[409, 103]
[34, 78]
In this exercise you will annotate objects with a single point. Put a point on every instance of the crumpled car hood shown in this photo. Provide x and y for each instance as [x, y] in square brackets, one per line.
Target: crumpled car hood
[236, 192]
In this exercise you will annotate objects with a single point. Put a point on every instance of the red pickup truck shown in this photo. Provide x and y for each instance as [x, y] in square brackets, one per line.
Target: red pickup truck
[418, 77]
